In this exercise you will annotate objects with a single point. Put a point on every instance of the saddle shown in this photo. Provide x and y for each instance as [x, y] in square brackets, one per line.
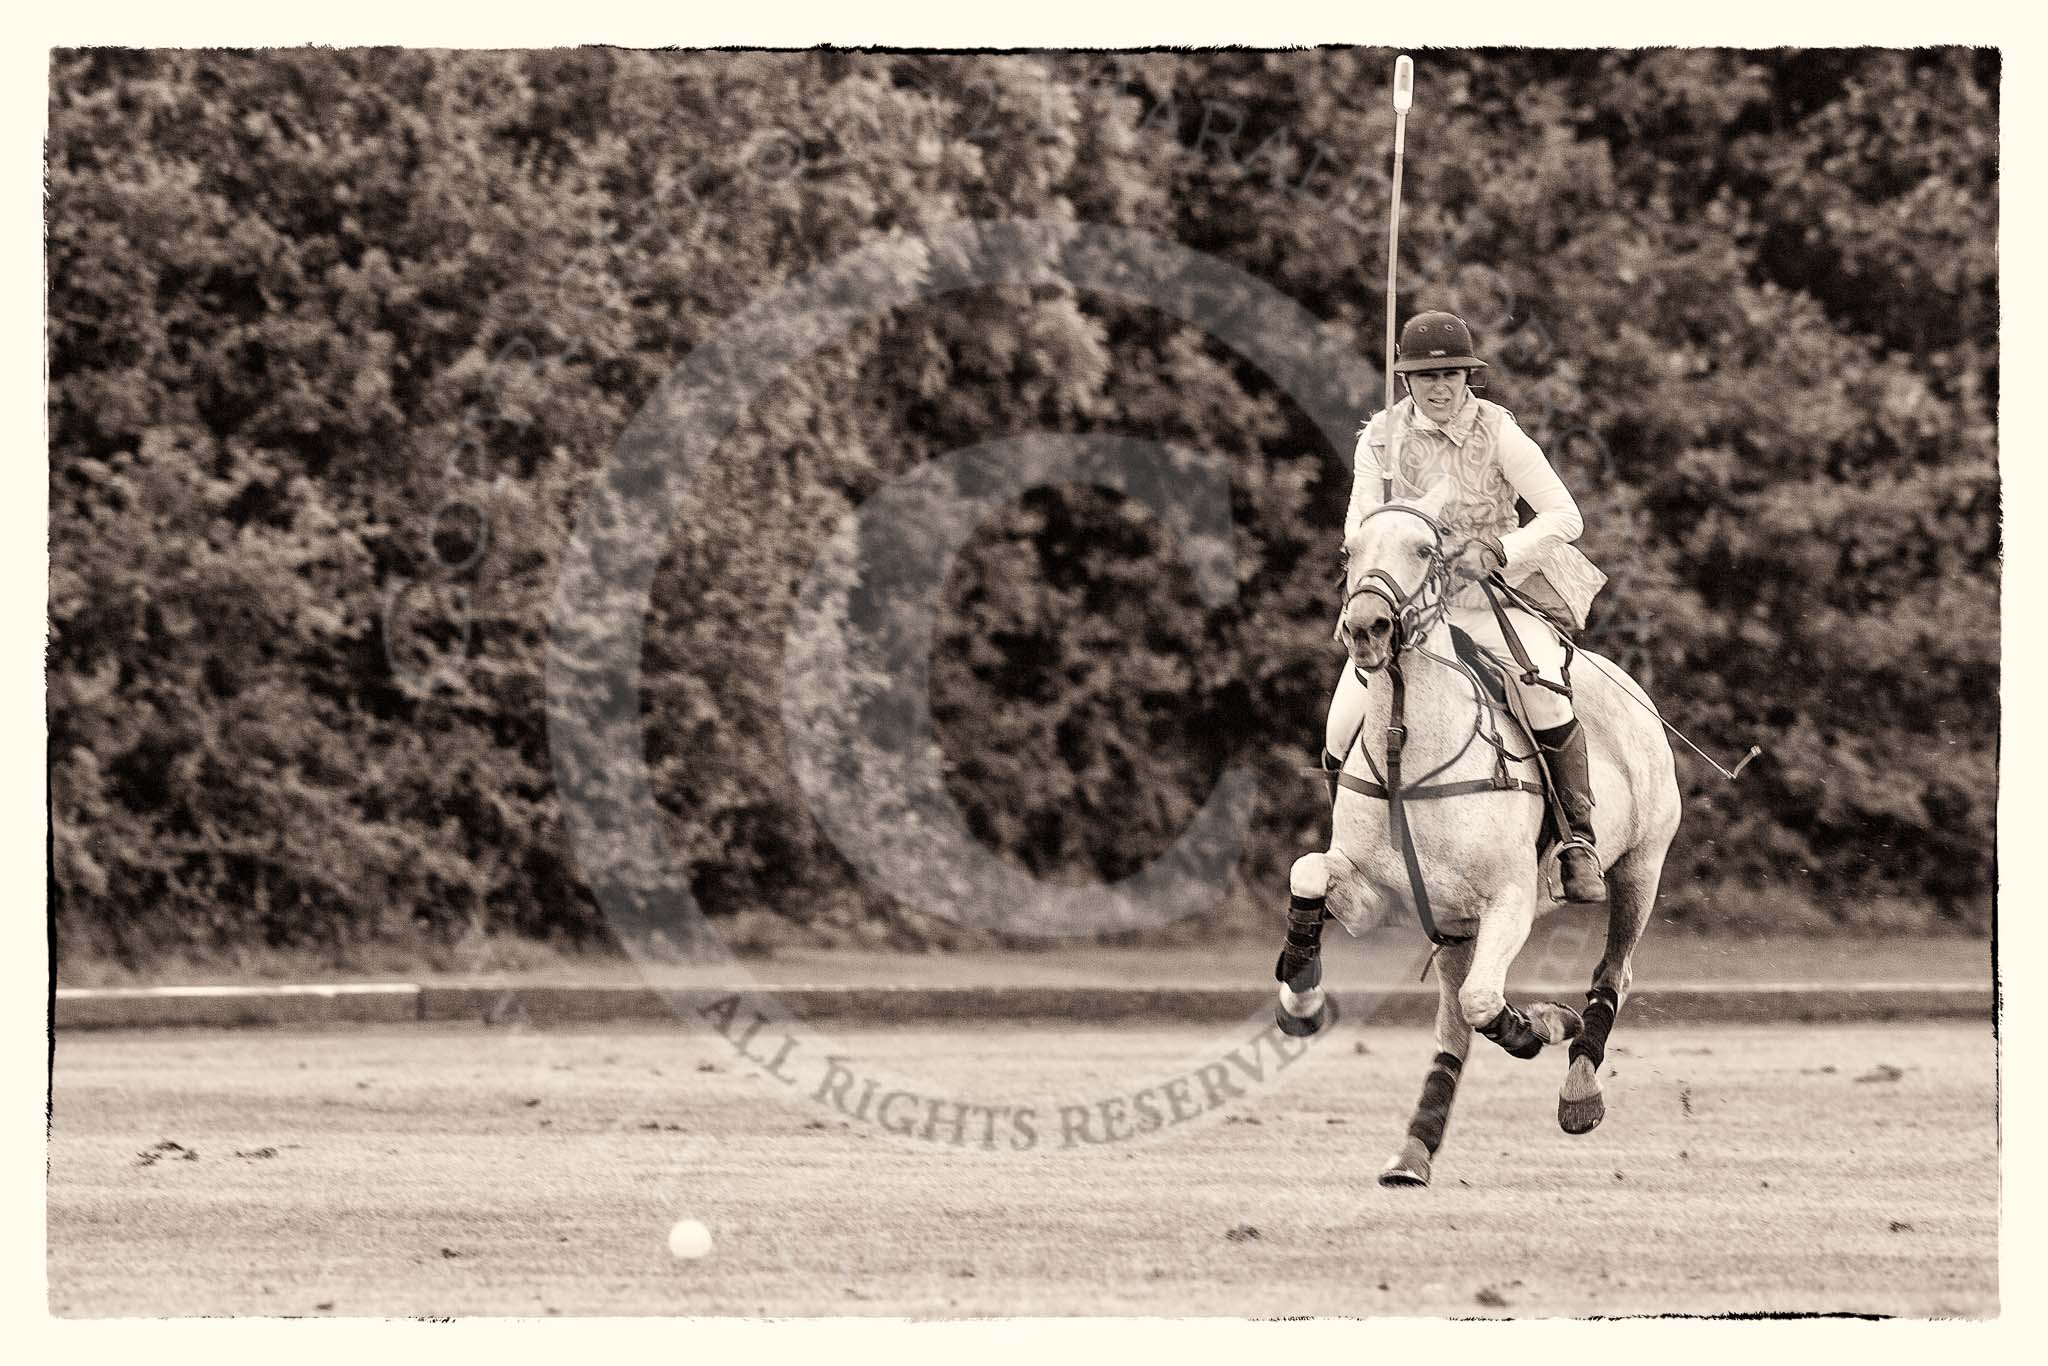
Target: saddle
[1492, 672]
[1487, 667]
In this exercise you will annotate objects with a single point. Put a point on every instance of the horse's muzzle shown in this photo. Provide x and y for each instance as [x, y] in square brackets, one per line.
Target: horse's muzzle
[1370, 623]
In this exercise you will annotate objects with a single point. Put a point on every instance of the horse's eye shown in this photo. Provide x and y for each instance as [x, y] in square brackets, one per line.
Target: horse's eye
[1422, 552]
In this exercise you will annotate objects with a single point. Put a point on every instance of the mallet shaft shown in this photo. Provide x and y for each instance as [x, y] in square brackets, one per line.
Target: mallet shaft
[1404, 96]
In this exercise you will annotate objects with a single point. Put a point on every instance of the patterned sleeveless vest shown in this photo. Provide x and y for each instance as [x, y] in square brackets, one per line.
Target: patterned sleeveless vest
[1482, 501]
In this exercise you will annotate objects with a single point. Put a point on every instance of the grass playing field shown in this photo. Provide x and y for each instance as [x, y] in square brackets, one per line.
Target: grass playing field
[466, 1171]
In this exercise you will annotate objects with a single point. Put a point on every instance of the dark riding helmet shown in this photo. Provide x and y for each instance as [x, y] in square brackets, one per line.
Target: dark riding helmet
[1436, 341]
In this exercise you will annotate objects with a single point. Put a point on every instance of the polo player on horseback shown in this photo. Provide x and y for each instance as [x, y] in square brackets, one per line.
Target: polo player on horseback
[1444, 431]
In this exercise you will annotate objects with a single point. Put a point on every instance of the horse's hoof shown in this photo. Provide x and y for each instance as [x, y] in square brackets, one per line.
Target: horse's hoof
[1580, 1116]
[1409, 1167]
[1555, 1023]
[1580, 1107]
[1306, 1013]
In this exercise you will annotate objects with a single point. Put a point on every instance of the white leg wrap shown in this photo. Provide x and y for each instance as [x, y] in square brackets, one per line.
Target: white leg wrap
[1301, 1006]
[1309, 877]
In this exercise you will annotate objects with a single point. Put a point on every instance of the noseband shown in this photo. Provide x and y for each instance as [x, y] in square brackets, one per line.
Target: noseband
[1414, 617]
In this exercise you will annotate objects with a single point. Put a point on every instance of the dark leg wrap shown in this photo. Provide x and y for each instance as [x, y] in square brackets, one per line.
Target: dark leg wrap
[1511, 1030]
[1433, 1111]
[1300, 967]
[1601, 1004]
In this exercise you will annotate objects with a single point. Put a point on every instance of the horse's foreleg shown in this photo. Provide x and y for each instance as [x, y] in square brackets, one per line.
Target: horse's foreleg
[1632, 891]
[1305, 1007]
[1503, 929]
[1411, 1166]
[1482, 1000]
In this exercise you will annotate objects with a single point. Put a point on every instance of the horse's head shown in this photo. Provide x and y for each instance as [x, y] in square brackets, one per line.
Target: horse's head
[1396, 578]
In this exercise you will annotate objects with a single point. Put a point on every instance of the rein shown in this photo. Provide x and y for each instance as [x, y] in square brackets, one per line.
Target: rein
[1514, 640]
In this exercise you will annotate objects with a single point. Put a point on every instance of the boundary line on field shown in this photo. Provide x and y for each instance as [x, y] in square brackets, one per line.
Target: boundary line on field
[500, 1003]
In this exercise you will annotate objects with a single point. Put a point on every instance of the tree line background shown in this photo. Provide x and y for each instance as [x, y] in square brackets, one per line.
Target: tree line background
[339, 340]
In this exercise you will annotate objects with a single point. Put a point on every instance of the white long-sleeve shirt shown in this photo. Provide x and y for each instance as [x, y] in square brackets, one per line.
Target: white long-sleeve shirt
[1490, 462]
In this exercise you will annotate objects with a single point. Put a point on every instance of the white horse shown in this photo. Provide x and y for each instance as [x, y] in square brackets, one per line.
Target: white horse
[1476, 850]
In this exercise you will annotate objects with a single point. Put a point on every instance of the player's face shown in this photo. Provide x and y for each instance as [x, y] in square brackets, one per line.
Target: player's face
[1438, 393]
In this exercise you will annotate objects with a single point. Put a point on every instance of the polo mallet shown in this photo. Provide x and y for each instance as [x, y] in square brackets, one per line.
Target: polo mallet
[1731, 774]
[1404, 95]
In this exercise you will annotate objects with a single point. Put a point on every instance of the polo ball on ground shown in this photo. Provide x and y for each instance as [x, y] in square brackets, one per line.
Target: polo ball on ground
[689, 1239]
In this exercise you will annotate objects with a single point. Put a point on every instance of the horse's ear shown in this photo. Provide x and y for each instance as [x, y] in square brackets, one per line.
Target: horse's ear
[1433, 501]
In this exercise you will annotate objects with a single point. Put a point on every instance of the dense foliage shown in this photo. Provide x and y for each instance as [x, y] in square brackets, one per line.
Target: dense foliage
[339, 341]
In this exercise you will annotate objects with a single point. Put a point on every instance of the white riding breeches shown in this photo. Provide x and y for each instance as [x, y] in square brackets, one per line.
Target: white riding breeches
[1543, 707]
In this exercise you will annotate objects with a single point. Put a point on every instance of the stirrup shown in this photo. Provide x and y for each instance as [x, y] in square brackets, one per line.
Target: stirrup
[1598, 891]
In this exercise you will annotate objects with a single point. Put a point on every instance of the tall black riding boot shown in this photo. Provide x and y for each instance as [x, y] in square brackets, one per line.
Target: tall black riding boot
[1571, 772]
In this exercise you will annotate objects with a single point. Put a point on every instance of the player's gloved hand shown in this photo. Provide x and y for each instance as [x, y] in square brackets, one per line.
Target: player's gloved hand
[1481, 556]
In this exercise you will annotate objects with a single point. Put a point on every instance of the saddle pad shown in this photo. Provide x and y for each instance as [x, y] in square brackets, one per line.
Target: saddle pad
[1492, 672]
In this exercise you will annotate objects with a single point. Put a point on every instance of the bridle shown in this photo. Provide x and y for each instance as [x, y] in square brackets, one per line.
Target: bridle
[1415, 614]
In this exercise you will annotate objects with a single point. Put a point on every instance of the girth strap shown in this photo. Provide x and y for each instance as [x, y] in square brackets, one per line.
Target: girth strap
[1467, 788]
